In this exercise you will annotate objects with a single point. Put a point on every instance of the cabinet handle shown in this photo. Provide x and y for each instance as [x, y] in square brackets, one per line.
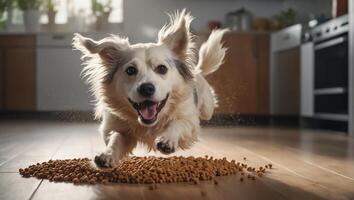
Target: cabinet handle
[331, 43]
[58, 37]
[286, 37]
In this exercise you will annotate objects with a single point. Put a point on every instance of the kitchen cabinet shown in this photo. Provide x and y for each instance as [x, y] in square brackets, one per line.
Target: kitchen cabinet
[242, 82]
[59, 84]
[18, 73]
[286, 82]
[285, 71]
[2, 76]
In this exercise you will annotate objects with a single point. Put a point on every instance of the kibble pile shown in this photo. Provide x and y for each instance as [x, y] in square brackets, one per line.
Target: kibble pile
[143, 170]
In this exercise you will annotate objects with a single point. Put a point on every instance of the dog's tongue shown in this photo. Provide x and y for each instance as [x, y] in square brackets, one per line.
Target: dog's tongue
[149, 112]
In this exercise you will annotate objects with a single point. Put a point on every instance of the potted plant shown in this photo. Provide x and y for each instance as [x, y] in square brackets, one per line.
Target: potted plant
[31, 14]
[101, 9]
[3, 7]
[50, 7]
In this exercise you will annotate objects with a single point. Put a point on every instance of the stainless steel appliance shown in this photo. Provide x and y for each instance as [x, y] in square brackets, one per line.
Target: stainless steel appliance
[331, 70]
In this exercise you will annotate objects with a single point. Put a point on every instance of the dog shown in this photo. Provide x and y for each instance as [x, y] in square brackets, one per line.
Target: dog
[151, 93]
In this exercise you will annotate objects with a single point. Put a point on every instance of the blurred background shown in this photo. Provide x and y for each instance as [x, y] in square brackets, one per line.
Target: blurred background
[289, 63]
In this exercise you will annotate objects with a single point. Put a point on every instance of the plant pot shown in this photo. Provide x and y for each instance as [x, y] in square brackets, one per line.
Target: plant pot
[31, 20]
[9, 19]
[102, 21]
[51, 19]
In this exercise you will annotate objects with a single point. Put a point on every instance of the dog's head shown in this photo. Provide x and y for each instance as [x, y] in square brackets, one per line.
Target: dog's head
[140, 80]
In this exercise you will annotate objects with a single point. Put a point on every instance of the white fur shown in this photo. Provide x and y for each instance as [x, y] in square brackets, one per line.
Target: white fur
[177, 124]
[211, 53]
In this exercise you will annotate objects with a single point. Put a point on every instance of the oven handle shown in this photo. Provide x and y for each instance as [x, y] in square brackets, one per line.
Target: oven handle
[331, 43]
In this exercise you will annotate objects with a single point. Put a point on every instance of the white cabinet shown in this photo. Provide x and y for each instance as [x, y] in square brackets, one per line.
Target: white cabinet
[307, 80]
[59, 83]
[285, 71]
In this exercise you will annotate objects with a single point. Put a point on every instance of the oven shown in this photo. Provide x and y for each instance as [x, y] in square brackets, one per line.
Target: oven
[331, 70]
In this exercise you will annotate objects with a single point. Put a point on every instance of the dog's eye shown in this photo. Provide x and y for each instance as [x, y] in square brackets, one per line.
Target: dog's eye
[131, 71]
[161, 69]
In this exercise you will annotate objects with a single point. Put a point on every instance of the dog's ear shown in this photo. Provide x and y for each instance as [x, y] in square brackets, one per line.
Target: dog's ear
[110, 49]
[176, 34]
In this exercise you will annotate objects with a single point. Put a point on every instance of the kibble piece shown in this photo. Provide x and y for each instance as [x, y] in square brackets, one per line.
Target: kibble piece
[241, 179]
[76, 180]
[203, 193]
[195, 181]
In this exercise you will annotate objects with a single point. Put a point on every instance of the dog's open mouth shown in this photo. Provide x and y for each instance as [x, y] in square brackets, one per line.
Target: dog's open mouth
[148, 110]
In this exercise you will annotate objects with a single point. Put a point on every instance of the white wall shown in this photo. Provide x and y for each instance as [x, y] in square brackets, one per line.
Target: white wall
[143, 18]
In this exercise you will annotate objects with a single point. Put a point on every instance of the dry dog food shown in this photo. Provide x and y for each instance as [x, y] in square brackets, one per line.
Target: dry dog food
[149, 170]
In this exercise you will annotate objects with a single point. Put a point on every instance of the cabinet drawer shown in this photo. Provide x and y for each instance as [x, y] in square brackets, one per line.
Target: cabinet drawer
[56, 40]
[17, 40]
[287, 38]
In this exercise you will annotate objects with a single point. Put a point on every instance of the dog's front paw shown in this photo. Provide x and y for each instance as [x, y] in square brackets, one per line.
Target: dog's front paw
[165, 146]
[104, 160]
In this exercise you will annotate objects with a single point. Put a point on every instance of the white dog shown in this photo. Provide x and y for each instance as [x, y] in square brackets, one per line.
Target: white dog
[154, 93]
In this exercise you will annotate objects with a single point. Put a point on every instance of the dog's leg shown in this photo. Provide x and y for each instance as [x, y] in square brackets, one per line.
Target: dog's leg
[208, 105]
[117, 147]
[180, 133]
[207, 98]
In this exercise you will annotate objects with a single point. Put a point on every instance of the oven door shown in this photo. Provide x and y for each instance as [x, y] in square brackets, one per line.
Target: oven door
[331, 63]
[331, 77]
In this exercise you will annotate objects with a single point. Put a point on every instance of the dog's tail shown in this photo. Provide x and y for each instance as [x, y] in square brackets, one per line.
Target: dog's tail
[211, 53]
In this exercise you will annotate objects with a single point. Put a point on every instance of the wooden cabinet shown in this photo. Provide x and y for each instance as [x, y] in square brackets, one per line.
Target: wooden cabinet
[2, 76]
[18, 73]
[242, 82]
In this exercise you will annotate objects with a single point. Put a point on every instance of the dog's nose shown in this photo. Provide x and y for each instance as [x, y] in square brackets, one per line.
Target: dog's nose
[146, 89]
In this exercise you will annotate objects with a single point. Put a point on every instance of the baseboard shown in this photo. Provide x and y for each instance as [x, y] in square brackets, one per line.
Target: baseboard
[252, 120]
[312, 123]
[67, 116]
[217, 120]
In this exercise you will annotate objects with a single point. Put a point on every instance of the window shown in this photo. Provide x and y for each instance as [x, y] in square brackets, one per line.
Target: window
[74, 8]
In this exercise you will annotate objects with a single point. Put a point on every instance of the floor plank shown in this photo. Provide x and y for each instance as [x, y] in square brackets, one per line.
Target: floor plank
[13, 186]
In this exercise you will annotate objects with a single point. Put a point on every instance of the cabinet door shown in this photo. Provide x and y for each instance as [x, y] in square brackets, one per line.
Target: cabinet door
[59, 84]
[286, 82]
[263, 73]
[2, 81]
[235, 82]
[19, 78]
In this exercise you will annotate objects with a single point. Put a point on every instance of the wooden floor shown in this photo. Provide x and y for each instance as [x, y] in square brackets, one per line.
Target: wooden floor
[307, 164]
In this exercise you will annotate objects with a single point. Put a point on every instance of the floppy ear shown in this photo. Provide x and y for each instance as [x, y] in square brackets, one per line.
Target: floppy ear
[176, 34]
[110, 49]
